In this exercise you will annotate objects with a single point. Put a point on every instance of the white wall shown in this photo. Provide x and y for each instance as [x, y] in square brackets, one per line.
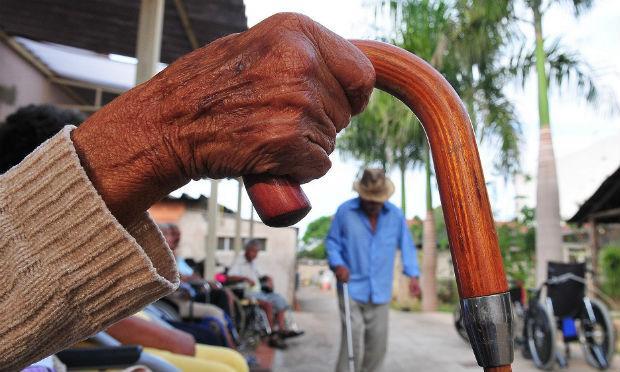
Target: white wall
[32, 87]
[278, 259]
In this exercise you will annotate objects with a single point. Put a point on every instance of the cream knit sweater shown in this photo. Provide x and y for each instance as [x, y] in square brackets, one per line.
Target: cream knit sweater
[68, 269]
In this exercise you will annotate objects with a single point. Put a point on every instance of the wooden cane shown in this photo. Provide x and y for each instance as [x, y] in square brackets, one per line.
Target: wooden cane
[471, 231]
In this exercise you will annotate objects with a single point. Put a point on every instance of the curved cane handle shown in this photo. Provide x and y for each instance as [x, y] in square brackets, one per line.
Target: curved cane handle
[464, 200]
[471, 231]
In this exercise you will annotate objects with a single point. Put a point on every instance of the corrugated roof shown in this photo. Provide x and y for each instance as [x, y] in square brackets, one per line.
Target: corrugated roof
[84, 65]
[606, 197]
[201, 199]
[110, 26]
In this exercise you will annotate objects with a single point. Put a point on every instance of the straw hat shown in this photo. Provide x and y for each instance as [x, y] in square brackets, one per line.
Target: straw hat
[374, 186]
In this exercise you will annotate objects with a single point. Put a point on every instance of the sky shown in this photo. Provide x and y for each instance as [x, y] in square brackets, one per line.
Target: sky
[586, 139]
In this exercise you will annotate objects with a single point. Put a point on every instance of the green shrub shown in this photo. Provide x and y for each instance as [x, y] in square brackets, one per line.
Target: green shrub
[610, 268]
[447, 292]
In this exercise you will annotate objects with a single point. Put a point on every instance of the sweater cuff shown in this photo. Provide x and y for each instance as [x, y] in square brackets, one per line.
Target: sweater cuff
[71, 268]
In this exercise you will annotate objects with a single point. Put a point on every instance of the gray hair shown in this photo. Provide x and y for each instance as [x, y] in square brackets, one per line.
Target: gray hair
[252, 243]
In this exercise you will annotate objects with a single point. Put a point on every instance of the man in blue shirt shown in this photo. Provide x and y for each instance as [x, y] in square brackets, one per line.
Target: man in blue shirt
[361, 246]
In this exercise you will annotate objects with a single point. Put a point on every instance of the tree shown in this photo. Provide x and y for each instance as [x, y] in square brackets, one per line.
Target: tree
[517, 245]
[417, 227]
[610, 266]
[463, 40]
[555, 64]
[386, 133]
[314, 238]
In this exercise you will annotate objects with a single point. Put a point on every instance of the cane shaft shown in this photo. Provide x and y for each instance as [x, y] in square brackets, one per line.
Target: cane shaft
[498, 369]
[348, 329]
[471, 230]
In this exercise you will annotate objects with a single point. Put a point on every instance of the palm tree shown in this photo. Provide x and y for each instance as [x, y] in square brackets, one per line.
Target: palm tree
[386, 133]
[561, 66]
[463, 41]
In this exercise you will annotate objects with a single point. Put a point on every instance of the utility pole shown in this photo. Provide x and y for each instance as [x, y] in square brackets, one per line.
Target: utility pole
[211, 240]
[148, 48]
[237, 243]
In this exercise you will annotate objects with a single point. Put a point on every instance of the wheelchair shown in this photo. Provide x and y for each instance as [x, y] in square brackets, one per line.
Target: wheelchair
[560, 308]
[255, 325]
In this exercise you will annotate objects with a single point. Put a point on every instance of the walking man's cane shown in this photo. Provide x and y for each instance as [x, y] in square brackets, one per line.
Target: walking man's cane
[347, 325]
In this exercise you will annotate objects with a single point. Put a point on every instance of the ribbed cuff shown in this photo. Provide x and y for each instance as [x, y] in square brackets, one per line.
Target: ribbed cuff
[69, 268]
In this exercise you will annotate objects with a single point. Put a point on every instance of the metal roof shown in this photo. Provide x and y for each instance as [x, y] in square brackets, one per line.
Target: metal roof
[200, 200]
[110, 26]
[604, 204]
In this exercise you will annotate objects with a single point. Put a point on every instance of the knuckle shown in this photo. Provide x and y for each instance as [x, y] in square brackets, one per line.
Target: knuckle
[289, 17]
[300, 57]
[365, 81]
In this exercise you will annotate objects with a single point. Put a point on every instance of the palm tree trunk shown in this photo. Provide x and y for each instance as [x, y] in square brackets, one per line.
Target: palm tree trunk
[548, 230]
[429, 248]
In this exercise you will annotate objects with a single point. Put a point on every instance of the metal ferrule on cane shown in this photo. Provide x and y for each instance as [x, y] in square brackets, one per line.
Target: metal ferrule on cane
[488, 321]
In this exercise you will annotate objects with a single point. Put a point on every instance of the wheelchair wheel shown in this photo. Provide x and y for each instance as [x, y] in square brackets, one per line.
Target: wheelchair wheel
[540, 331]
[239, 315]
[597, 334]
[167, 310]
[518, 315]
[458, 323]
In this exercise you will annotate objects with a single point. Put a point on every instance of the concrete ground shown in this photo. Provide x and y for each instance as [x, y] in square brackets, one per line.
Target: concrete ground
[417, 342]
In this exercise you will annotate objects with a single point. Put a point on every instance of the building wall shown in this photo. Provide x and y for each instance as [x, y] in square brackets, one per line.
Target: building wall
[310, 270]
[31, 86]
[277, 260]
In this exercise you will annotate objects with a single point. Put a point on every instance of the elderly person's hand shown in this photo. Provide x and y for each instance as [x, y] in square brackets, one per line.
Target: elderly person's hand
[268, 100]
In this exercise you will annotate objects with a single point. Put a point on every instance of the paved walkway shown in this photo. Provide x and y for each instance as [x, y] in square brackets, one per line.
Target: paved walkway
[417, 342]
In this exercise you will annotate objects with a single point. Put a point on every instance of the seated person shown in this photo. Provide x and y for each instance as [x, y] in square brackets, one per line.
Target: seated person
[175, 346]
[189, 305]
[244, 270]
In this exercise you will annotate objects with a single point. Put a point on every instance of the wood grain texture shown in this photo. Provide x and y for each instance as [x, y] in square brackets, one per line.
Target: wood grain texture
[279, 201]
[498, 369]
[110, 26]
[471, 229]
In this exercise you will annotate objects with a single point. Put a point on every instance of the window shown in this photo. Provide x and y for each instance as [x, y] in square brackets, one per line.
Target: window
[262, 242]
[224, 244]
[228, 243]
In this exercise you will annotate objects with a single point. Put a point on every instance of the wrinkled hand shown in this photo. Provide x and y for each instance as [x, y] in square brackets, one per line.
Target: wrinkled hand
[342, 274]
[414, 287]
[268, 100]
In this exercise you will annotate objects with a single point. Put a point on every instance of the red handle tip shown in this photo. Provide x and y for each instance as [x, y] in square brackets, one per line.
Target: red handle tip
[279, 201]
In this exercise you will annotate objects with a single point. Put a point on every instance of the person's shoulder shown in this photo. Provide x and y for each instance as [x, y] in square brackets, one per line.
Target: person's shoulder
[392, 208]
[237, 261]
[345, 207]
[349, 204]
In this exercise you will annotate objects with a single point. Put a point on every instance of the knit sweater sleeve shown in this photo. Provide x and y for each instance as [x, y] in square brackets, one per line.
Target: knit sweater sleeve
[68, 269]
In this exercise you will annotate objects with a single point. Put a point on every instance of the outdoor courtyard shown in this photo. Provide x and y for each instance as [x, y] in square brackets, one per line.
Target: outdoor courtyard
[417, 341]
[417, 150]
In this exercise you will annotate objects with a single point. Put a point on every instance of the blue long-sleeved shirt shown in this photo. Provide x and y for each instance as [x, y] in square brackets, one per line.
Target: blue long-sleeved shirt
[370, 256]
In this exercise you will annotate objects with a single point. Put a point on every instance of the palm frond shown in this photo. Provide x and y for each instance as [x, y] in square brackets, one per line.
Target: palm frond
[577, 6]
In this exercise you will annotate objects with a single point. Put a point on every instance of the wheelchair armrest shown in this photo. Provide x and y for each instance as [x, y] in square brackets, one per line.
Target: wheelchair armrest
[100, 357]
[232, 283]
